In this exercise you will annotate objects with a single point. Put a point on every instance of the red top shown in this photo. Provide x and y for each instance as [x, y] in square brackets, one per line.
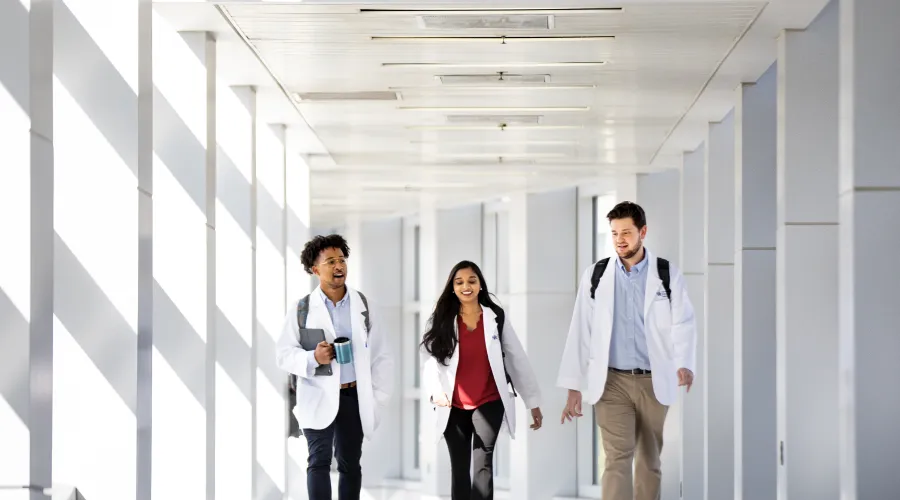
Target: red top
[475, 384]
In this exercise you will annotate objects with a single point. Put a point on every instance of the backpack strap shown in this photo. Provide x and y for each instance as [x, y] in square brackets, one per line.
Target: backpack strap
[599, 269]
[501, 319]
[662, 268]
[366, 312]
[293, 426]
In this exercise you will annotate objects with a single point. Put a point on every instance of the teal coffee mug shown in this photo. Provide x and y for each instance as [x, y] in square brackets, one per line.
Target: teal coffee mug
[343, 350]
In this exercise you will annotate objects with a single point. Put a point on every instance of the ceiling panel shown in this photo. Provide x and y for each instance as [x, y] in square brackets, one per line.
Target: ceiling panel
[591, 119]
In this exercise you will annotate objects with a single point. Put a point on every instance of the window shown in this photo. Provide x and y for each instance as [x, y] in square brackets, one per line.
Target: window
[411, 336]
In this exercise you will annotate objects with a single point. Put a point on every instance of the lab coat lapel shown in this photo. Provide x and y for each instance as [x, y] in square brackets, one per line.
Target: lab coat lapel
[318, 315]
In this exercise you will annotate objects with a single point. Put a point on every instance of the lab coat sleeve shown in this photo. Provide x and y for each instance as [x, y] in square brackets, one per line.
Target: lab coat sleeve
[519, 368]
[684, 327]
[289, 356]
[576, 354]
[381, 362]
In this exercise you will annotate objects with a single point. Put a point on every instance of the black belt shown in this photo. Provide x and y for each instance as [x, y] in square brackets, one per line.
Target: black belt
[633, 371]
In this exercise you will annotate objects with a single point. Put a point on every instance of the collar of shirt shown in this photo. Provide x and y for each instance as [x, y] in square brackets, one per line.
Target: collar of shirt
[639, 267]
[328, 302]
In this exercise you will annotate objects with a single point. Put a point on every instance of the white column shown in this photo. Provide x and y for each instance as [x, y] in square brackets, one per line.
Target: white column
[447, 236]
[869, 213]
[97, 141]
[271, 304]
[383, 264]
[543, 280]
[719, 297]
[27, 269]
[183, 262]
[693, 266]
[659, 195]
[807, 261]
[754, 287]
[234, 390]
[298, 285]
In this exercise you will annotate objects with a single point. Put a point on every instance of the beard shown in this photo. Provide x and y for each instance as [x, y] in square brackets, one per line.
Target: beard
[631, 252]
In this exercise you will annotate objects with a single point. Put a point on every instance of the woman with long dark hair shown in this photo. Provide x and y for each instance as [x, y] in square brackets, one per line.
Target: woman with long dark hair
[472, 354]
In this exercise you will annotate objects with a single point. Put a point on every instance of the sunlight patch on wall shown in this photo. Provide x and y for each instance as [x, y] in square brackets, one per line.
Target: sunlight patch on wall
[94, 443]
[117, 39]
[179, 436]
[95, 203]
[15, 203]
[234, 432]
[234, 129]
[175, 63]
[270, 161]
[270, 300]
[270, 415]
[234, 274]
[14, 454]
[179, 246]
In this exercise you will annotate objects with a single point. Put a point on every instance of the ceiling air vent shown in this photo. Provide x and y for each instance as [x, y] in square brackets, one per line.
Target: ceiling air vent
[495, 119]
[492, 79]
[487, 22]
[499, 160]
[374, 95]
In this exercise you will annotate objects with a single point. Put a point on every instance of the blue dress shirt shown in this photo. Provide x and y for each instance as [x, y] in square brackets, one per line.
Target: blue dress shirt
[340, 318]
[628, 345]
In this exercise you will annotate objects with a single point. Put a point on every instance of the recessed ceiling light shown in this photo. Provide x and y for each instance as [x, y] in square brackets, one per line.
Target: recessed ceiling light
[490, 88]
[492, 109]
[495, 143]
[493, 127]
[610, 122]
[491, 10]
[503, 40]
[495, 65]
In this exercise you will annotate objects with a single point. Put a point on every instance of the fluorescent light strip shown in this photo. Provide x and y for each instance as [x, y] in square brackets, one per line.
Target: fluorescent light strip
[504, 155]
[493, 127]
[495, 11]
[482, 88]
[494, 143]
[493, 109]
[495, 65]
[501, 39]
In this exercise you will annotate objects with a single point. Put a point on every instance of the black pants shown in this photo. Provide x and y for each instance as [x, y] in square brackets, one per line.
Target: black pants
[345, 434]
[484, 423]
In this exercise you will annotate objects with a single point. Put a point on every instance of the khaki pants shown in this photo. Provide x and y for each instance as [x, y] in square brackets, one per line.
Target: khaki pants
[630, 418]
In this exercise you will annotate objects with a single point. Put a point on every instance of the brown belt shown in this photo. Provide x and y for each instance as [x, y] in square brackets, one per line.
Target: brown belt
[348, 385]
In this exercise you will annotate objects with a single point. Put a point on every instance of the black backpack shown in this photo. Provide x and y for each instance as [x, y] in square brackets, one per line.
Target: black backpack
[302, 313]
[662, 267]
[501, 319]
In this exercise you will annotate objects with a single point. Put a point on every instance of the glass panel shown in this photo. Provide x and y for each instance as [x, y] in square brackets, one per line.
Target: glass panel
[417, 432]
[416, 258]
[417, 337]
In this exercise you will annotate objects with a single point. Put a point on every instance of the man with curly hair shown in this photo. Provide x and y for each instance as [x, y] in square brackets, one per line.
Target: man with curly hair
[337, 404]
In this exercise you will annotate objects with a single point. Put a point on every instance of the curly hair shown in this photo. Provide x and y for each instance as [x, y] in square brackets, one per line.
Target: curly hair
[315, 246]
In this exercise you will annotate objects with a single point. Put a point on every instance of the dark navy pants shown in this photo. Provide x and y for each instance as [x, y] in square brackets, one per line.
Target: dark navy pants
[344, 437]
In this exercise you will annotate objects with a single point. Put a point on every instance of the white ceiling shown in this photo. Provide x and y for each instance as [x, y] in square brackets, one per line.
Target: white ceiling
[669, 68]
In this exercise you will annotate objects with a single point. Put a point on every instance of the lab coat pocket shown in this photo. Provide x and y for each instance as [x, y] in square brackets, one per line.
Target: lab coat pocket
[662, 320]
[308, 399]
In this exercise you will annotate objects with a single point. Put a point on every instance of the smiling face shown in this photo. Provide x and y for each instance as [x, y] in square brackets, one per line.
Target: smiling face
[331, 268]
[466, 286]
[626, 236]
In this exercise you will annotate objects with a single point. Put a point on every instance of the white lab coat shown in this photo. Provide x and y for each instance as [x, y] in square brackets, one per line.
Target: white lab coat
[670, 330]
[318, 397]
[439, 379]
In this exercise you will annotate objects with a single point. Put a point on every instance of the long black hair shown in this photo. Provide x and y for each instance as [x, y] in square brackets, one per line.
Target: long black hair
[440, 340]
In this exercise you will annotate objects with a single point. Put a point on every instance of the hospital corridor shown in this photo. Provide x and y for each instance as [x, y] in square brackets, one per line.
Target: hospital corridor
[251, 248]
